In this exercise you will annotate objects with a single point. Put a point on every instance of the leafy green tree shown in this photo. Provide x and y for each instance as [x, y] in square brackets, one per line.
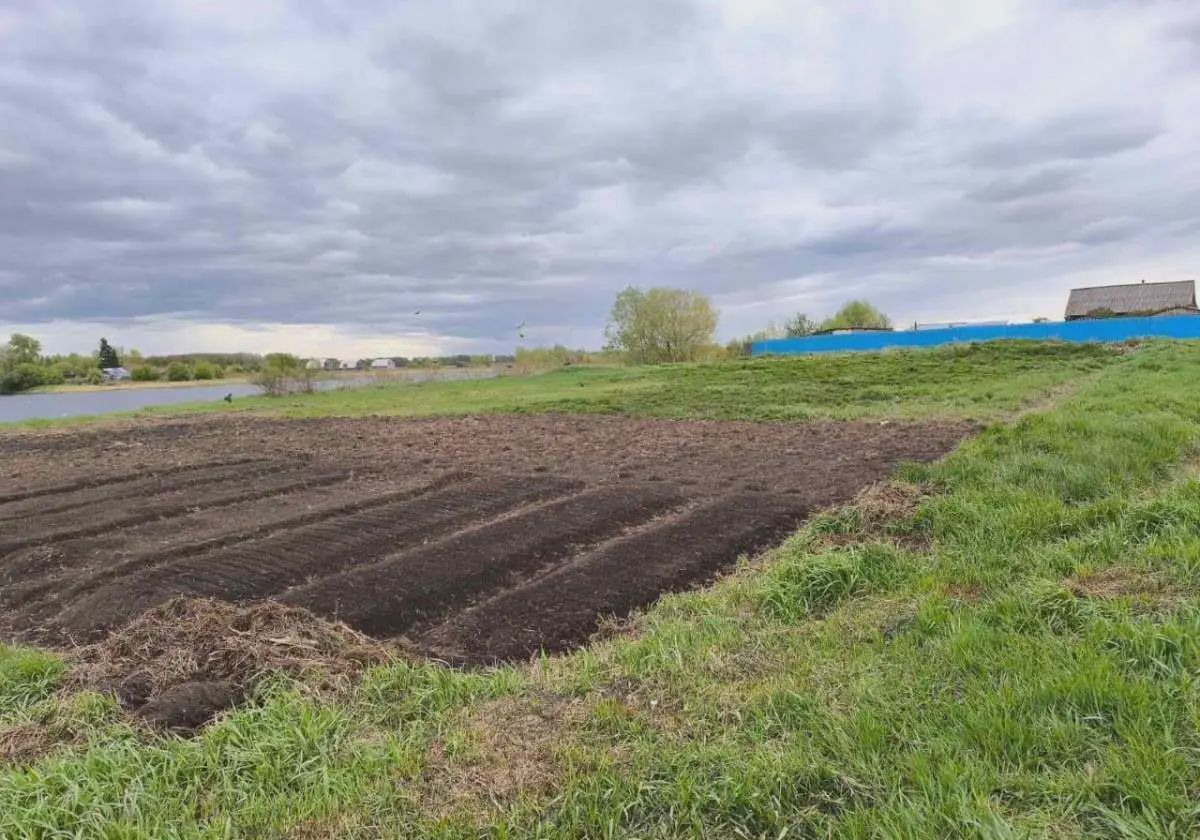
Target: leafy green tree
[108, 356]
[857, 313]
[799, 326]
[23, 349]
[661, 325]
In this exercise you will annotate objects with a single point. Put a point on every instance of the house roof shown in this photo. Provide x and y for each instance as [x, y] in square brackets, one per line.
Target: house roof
[1132, 298]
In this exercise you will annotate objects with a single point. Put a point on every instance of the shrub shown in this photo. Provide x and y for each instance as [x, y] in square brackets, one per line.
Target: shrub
[52, 375]
[144, 374]
[178, 372]
[20, 377]
[284, 374]
[204, 371]
[94, 376]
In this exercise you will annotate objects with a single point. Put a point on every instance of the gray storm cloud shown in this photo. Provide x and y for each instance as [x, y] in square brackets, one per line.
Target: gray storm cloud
[500, 162]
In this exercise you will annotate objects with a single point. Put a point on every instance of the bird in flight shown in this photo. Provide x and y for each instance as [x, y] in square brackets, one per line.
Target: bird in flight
[521, 329]
[418, 312]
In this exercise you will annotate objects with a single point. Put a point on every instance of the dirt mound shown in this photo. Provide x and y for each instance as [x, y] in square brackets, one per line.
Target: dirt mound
[193, 654]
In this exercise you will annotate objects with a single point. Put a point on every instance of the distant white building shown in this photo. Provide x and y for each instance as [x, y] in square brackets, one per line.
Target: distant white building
[115, 374]
[382, 364]
[347, 365]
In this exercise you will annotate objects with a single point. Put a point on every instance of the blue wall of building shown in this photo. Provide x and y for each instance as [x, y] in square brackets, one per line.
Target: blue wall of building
[1106, 329]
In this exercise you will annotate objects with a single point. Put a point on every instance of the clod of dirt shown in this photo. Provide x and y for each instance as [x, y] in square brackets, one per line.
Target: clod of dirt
[186, 707]
[182, 662]
[135, 689]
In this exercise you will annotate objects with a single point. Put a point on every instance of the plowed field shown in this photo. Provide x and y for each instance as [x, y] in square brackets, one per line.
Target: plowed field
[478, 539]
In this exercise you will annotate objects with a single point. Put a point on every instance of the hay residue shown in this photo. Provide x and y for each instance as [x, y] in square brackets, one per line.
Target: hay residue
[888, 502]
[26, 743]
[511, 751]
[1119, 582]
[199, 640]
[878, 510]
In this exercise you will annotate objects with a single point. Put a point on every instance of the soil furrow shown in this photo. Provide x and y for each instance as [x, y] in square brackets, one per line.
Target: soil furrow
[266, 567]
[390, 597]
[140, 487]
[152, 511]
[38, 572]
[561, 609]
[102, 481]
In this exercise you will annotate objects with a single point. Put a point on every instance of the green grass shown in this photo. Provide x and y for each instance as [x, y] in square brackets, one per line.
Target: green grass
[973, 381]
[961, 682]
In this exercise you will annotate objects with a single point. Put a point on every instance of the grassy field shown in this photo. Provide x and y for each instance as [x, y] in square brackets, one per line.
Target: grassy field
[976, 381]
[1015, 655]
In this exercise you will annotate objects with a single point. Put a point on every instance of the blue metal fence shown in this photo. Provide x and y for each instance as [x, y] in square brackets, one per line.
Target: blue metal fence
[1105, 329]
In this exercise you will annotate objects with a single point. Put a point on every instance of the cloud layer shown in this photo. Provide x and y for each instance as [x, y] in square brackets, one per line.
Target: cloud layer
[221, 166]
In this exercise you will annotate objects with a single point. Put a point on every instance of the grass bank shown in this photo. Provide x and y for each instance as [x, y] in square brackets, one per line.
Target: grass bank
[130, 385]
[1014, 656]
[977, 382]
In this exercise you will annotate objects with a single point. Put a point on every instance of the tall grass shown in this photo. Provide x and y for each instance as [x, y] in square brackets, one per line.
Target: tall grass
[1023, 663]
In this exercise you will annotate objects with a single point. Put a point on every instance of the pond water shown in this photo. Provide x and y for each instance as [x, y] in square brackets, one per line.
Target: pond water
[19, 407]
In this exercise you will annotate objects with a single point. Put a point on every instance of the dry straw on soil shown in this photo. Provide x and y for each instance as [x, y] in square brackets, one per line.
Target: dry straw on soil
[208, 642]
[512, 752]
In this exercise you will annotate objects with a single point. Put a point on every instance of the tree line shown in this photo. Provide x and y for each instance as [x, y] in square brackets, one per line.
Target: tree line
[651, 326]
[678, 325]
[23, 366]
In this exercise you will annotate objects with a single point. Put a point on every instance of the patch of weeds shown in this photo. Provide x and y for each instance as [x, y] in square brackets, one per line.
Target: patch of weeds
[800, 586]
[406, 692]
[1043, 605]
[60, 722]
[27, 677]
[1165, 649]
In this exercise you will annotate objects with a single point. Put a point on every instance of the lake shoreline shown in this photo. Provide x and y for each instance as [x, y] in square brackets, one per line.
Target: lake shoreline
[129, 385]
[64, 402]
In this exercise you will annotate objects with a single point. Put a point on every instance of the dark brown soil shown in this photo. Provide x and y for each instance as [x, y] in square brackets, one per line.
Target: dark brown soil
[482, 539]
[552, 612]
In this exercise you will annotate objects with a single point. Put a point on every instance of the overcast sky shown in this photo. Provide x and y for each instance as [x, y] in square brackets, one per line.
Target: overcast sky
[307, 175]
